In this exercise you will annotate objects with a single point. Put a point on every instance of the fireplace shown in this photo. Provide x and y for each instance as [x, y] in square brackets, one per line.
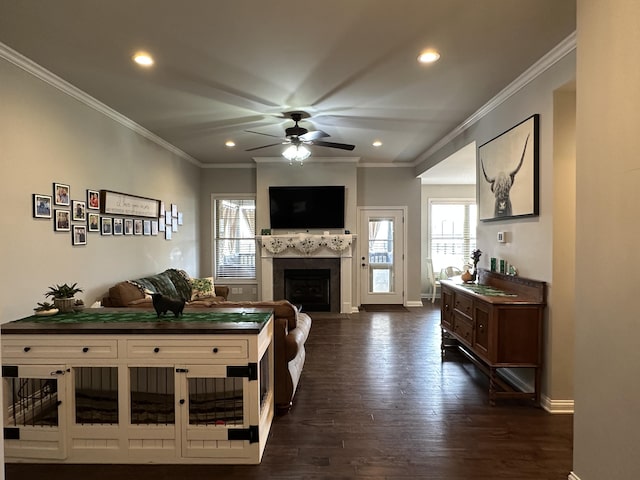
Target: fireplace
[313, 283]
[309, 288]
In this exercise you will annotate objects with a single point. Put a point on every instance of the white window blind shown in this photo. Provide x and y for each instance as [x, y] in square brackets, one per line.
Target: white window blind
[452, 232]
[234, 243]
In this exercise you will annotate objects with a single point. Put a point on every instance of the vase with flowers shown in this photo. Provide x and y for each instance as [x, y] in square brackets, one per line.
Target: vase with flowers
[475, 257]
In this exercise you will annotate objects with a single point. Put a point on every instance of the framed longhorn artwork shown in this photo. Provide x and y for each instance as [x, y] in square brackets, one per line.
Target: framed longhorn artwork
[507, 173]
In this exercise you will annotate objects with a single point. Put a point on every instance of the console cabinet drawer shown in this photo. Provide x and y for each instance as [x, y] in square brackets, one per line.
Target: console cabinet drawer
[56, 349]
[463, 327]
[188, 349]
[463, 304]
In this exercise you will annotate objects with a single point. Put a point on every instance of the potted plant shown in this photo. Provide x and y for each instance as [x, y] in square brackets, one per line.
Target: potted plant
[78, 305]
[63, 296]
[45, 309]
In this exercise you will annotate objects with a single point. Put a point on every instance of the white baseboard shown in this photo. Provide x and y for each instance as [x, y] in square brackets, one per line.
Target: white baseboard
[551, 406]
[557, 406]
[414, 303]
[573, 476]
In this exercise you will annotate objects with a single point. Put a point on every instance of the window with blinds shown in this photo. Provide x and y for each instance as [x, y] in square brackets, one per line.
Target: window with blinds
[234, 242]
[452, 232]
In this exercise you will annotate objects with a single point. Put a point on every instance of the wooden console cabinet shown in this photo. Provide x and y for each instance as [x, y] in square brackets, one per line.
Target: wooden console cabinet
[196, 389]
[498, 324]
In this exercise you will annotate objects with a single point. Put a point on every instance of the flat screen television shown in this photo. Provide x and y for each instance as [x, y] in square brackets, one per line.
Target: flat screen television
[307, 207]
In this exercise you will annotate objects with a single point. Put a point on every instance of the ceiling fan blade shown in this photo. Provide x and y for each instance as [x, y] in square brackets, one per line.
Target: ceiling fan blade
[263, 146]
[311, 136]
[266, 134]
[343, 146]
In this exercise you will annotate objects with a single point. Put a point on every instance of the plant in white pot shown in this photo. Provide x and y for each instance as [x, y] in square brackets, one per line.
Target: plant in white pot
[63, 296]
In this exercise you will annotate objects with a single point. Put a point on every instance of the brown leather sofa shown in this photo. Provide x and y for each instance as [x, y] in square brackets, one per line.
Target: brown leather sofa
[290, 332]
[172, 283]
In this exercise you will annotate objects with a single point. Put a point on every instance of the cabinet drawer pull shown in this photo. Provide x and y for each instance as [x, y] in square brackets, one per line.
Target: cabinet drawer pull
[26, 349]
[156, 349]
[85, 349]
[215, 349]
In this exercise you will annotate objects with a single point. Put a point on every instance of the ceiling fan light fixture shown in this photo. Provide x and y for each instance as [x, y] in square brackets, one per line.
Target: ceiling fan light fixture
[428, 56]
[298, 153]
[230, 143]
[377, 143]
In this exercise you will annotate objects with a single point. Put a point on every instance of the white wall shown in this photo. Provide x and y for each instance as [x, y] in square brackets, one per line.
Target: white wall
[47, 136]
[607, 390]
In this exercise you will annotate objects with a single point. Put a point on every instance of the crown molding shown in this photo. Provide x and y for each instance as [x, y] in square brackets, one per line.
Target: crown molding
[385, 165]
[227, 165]
[565, 47]
[311, 159]
[55, 81]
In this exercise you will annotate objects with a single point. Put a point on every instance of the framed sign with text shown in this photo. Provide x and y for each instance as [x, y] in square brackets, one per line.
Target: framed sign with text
[116, 203]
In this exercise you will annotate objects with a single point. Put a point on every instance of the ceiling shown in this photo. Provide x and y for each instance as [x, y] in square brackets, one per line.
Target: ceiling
[225, 67]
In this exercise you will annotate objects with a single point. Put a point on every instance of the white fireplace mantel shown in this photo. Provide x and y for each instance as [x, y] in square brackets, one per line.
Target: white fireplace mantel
[308, 245]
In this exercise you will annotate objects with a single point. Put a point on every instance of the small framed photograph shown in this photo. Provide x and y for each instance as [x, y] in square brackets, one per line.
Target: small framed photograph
[63, 220]
[137, 226]
[118, 228]
[41, 206]
[174, 210]
[146, 227]
[167, 218]
[162, 211]
[128, 226]
[107, 226]
[161, 224]
[79, 211]
[168, 234]
[61, 193]
[93, 199]
[93, 221]
[174, 225]
[154, 227]
[79, 236]
[179, 218]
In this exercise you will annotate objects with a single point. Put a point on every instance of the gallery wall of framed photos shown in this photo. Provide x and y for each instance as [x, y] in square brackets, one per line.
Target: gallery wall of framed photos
[105, 213]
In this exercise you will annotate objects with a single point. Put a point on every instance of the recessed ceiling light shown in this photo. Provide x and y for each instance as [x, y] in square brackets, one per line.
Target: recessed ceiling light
[230, 143]
[143, 59]
[377, 143]
[428, 56]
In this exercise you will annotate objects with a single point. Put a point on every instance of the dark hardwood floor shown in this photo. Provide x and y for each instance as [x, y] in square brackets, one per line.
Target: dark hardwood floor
[375, 401]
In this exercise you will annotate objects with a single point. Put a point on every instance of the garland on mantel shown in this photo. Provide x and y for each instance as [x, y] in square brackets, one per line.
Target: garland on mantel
[305, 243]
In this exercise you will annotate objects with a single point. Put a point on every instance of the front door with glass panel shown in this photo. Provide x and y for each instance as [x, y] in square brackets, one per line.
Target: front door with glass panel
[381, 257]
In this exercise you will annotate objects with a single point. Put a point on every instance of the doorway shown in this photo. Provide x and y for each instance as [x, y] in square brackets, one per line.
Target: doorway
[381, 256]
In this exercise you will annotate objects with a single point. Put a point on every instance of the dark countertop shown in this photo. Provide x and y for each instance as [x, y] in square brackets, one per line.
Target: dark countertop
[143, 322]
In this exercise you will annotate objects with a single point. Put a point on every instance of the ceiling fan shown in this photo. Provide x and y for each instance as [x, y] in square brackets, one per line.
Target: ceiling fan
[297, 136]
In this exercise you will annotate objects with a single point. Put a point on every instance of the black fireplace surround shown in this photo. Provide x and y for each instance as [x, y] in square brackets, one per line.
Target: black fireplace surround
[313, 283]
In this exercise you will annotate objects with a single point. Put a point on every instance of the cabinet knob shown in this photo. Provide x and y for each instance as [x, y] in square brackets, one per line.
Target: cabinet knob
[182, 401]
[85, 349]
[481, 326]
[156, 350]
[26, 349]
[215, 349]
